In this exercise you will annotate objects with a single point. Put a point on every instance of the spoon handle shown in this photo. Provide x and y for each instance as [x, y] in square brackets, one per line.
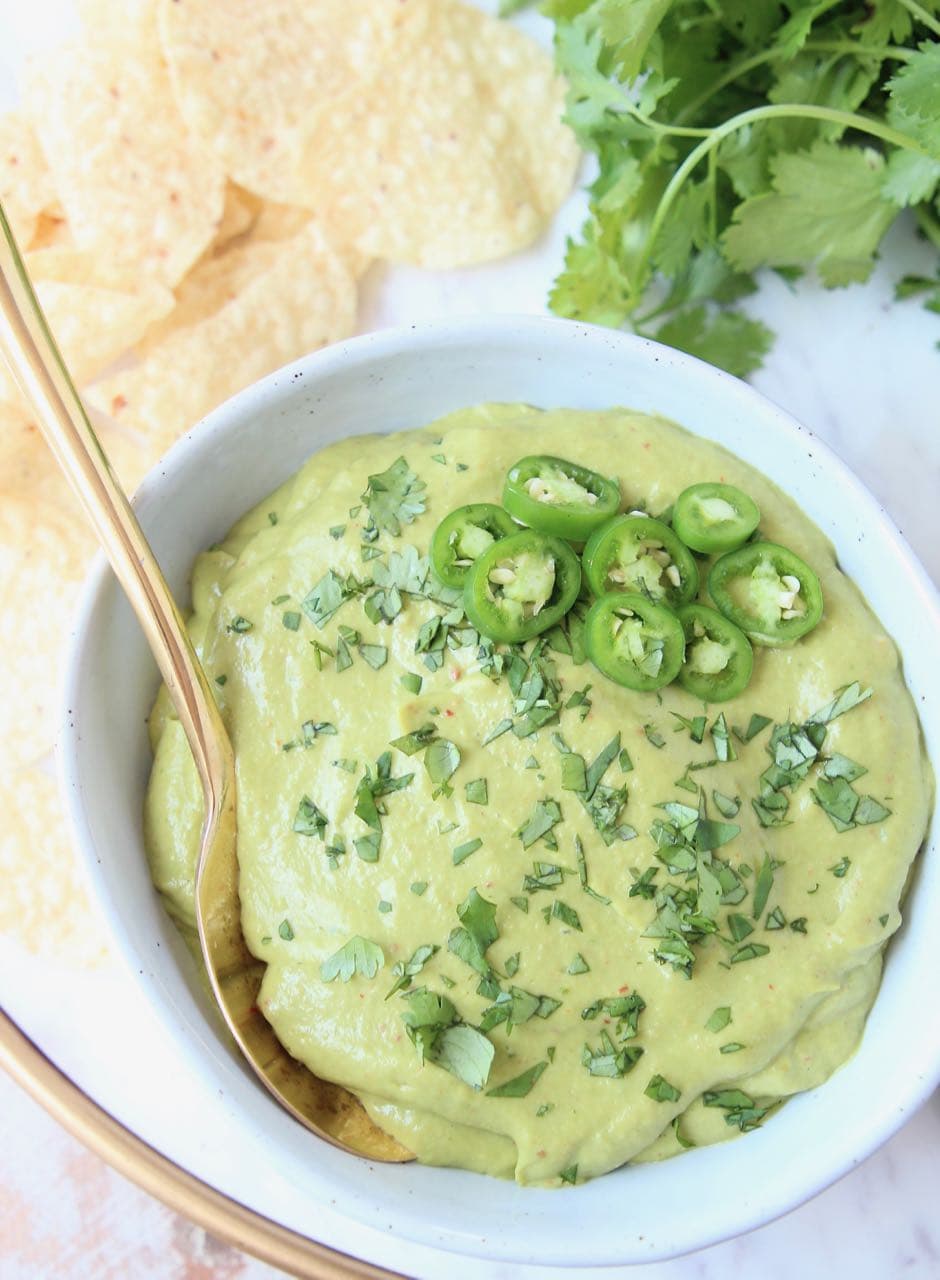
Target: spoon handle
[38, 368]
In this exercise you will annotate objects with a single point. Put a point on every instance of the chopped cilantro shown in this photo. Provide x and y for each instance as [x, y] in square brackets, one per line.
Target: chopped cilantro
[545, 816]
[411, 682]
[337, 531]
[578, 965]
[762, 886]
[291, 620]
[358, 955]
[579, 699]
[221, 680]
[849, 696]
[476, 791]
[416, 741]
[394, 497]
[573, 773]
[653, 736]
[561, 911]
[839, 868]
[732, 1046]
[519, 1086]
[476, 932]
[418, 887]
[739, 926]
[325, 598]
[239, 625]
[695, 727]
[721, 740]
[751, 951]
[741, 1110]
[726, 806]
[607, 1060]
[569, 1175]
[285, 931]
[367, 846]
[309, 819]
[375, 654]
[463, 851]
[440, 1037]
[719, 1019]
[405, 970]
[497, 731]
[754, 726]
[441, 760]
[660, 1090]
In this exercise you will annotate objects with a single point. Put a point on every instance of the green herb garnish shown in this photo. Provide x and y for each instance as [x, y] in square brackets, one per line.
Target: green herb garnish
[394, 497]
[358, 955]
[519, 1086]
[660, 1090]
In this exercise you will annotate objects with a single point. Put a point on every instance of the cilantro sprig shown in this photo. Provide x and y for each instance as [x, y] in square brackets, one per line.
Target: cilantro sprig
[733, 137]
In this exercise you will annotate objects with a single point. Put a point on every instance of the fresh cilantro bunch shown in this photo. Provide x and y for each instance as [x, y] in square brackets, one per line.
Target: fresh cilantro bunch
[738, 134]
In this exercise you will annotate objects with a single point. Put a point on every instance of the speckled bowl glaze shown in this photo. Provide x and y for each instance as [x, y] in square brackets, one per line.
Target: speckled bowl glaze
[404, 378]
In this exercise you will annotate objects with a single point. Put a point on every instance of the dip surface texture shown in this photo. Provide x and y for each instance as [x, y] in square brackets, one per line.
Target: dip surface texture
[765, 999]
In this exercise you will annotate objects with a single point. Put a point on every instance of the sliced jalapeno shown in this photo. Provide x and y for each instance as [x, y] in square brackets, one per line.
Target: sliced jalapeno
[767, 591]
[638, 553]
[633, 641]
[718, 655]
[559, 497]
[521, 586]
[714, 517]
[465, 534]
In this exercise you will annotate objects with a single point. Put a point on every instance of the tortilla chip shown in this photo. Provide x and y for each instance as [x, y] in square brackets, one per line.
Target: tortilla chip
[28, 469]
[44, 553]
[44, 904]
[52, 230]
[294, 296]
[280, 221]
[240, 213]
[92, 325]
[252, 79]
[137, 190]
[458, 158]
[26, 186]
[118, 21]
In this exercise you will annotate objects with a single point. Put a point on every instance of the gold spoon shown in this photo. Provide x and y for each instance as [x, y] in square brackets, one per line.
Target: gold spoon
[235, 975]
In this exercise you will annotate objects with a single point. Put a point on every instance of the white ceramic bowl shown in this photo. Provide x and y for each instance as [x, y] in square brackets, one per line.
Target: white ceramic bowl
[404, 378]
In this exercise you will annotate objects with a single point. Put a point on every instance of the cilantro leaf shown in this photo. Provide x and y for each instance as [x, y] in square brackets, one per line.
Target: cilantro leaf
[519, 1086]
[358, 955]
[394, 497]
[729, 339]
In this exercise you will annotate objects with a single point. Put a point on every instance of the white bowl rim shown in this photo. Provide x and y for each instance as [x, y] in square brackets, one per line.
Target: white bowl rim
[829, 1162]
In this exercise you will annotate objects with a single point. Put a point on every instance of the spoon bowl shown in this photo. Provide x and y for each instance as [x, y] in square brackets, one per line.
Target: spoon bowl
[234, 974]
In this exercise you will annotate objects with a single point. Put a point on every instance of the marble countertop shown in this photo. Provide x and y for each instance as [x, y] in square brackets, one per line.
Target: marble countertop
[860, 370]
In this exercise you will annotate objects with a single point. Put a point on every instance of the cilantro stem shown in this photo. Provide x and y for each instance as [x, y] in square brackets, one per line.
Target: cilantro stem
[783, 110]
[658, 126]
[889, 51]
[921, 15]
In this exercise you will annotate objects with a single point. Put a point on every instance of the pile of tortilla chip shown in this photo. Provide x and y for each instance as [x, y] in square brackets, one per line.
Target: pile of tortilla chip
[198, 187]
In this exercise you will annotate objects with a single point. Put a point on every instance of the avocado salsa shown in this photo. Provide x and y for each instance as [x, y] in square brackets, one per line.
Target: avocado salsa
[540, 919]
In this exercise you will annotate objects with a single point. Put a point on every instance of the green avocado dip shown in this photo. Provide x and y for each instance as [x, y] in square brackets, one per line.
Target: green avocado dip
[540, 924]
